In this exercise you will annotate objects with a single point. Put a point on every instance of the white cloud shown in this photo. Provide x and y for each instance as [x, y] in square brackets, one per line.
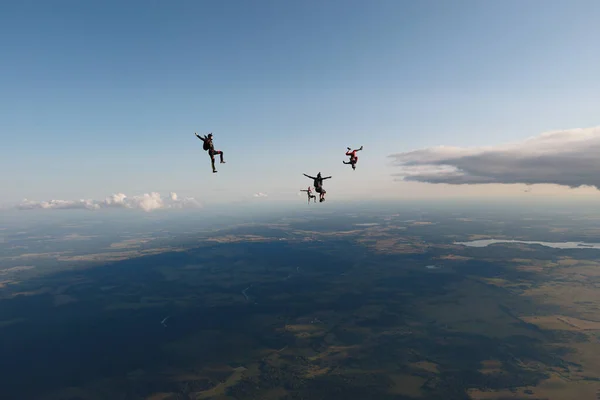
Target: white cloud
[116, 200]
[146, 202]
[568, 158]
[186, 202]
[58, 204]
[260, 194]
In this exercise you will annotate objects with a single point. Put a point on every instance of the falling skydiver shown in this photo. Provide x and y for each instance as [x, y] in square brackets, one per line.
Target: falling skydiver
[310, 195]
[353, 157]
[318, 184]
[208, 145]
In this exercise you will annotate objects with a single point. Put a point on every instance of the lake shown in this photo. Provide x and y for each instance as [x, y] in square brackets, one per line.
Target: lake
[556, 245]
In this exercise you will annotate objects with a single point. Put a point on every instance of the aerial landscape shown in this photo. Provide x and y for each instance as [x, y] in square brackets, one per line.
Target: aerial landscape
[381, 304]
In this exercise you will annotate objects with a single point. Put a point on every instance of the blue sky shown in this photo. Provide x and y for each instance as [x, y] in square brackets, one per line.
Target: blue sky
[104, 97]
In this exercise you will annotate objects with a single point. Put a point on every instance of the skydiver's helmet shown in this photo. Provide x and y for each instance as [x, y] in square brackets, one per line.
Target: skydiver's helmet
[210, 135]
[319, 175]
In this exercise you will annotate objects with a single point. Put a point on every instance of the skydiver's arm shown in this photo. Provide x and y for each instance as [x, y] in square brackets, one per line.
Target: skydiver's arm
[311, 177]
[327, 177]
[200, 137]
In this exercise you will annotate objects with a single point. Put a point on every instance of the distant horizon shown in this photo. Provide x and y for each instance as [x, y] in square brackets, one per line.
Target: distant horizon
[258, 209]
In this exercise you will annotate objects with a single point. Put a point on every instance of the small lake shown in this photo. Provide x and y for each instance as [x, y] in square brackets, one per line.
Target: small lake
[556, 245]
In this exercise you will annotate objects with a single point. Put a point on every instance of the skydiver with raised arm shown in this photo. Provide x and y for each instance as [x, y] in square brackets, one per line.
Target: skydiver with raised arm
[318, 184]
[208, 145]
[310, 195]
[353, 157]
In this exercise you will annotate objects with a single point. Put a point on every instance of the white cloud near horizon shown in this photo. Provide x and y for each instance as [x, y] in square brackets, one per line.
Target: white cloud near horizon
[146, 202]
[567, 158]
[261, 194]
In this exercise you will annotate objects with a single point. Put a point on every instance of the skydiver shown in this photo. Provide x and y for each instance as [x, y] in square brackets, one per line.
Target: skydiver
[208, 145]
[318, 184]
[353, 157]
[310, 195]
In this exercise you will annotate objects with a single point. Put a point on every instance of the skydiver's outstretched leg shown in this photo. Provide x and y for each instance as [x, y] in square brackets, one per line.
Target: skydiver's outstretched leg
[321, 192]
[351, 162]
[212, 158]
[220, 153]
[212, 163]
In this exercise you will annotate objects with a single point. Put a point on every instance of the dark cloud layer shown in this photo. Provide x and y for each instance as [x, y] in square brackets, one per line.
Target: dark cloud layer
[569, 158]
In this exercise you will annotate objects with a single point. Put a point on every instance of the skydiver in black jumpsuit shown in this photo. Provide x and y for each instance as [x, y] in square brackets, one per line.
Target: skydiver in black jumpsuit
[318, 184]
[208, 145]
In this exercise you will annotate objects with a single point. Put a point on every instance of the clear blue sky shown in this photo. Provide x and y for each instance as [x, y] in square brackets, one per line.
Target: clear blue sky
[100, 97]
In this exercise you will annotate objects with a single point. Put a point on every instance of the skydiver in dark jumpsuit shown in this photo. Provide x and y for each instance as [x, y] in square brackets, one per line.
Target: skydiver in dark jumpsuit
[318, 184]
[208, 145]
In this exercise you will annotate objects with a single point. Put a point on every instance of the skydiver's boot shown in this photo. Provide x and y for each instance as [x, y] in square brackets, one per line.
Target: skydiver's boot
[212, 162]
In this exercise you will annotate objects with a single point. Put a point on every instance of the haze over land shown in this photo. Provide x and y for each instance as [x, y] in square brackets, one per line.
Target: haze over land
[368, 301]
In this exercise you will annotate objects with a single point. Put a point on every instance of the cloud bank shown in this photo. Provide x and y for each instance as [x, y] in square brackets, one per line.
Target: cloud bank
[568, 158]
[260, 194]
[146, 202]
